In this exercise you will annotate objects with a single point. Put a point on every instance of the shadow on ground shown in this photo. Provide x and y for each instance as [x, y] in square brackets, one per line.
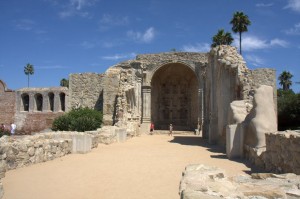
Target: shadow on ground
[219, 150]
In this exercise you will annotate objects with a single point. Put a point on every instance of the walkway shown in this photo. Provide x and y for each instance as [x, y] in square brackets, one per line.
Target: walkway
[148, 167]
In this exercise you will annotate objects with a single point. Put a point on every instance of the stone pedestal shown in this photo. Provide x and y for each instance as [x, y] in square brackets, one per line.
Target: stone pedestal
[234, 141]
[82, 143]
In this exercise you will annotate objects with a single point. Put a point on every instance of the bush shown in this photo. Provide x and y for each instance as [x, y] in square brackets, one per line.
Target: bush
[79, 119]
[288, 110]
[4, 132]
[61, 123]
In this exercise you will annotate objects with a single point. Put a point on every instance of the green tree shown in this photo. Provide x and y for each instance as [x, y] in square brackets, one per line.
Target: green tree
[222, 38]
[240, 23]
[285, 80]
[288, 109]
[28, 70]
[64, 82]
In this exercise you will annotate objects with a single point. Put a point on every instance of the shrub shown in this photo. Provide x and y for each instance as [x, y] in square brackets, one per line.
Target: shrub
[79, 119]
[4, 132]
[61, 123]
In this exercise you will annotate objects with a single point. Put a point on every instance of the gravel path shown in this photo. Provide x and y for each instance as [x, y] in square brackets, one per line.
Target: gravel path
[142, 167]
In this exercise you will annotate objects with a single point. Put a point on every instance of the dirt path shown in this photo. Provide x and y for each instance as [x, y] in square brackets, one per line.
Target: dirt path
[143, 167]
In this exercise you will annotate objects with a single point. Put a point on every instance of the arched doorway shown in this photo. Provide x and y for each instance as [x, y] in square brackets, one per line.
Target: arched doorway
[174, 97]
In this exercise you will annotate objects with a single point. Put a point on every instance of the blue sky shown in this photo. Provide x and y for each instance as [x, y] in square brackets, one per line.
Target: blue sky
[60, 37]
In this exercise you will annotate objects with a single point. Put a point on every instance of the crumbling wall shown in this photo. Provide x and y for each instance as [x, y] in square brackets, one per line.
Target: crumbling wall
[227, 80]
[281, 153]
[36, 108]
[86, 90]
[7, 104]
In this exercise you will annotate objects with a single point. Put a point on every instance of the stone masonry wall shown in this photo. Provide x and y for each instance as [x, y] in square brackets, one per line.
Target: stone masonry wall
[265, 76]
[7, 107]
[281, 154]
[86, 89]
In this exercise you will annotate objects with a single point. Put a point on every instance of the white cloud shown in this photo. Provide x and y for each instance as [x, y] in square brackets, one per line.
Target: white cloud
[255, 60]
[25, 24]
[293, 5]
[107, 21]
[199, 47]
[119, 56]
[75, 8]
[250, 43]
[145, 37]
[263, 5]
[293, 31]
[87, 45]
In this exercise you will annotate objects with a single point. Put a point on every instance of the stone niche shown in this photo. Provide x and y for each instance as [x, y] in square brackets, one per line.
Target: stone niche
[174, 97]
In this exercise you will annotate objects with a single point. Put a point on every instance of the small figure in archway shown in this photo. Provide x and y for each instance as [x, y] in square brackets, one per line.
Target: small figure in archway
[151, 128]
[171, 130]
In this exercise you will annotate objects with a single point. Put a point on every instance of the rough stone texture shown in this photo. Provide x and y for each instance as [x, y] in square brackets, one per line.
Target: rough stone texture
[205, 182]
[281, 154]
[36, 108]
[86, 89]
[227, 79]
[7, 104]
[262, 119]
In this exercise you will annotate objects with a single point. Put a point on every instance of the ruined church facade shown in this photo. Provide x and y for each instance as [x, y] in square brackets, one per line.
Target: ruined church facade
[189, 90]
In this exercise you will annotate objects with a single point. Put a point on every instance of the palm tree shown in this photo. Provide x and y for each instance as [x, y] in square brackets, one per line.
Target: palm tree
[285, 80]
[64, 82]
[28, 70]
[222, 38]
[240, 23]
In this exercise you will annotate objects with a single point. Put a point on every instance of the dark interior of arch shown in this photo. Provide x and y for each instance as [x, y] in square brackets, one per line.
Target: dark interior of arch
[25, 102]
[39, 102]
[62, 101]
[51, 101]
[174, 97]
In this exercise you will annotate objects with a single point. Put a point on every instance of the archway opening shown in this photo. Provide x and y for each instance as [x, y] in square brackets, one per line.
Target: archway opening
[51, 101]
[25, 102]
[62, 97]
[38, 102]
[174, 97]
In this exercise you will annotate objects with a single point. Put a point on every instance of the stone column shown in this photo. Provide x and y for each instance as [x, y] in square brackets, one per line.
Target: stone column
[46, 103]
[139, 97]
[146, 93]
[31, 102]
[57, 103]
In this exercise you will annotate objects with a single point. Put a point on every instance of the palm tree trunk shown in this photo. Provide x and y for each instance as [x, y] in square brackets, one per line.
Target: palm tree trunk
[28, 80]
[241, 43]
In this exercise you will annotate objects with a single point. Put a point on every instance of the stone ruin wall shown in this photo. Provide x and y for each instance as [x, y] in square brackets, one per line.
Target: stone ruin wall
[7, 104]
[35, 118]
[86, 89]
[229, 80]
[280, 155]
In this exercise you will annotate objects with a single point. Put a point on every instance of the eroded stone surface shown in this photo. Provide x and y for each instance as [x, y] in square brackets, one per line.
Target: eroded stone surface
[200, 181]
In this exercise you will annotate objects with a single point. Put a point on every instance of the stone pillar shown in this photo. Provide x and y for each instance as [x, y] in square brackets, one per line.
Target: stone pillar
[31, 102]
[139, 98]
[57, 103]
[46, 103]
[146, 93]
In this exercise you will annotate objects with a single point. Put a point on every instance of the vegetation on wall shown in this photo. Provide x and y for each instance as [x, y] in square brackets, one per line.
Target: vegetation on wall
[78, 119]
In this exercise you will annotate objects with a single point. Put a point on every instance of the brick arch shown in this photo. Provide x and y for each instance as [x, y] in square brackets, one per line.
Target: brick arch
[3, 87]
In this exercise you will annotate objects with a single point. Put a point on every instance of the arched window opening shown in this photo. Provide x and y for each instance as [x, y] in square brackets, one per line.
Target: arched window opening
[62, 97]
[25, 102]
[51, 101]
[38, 102]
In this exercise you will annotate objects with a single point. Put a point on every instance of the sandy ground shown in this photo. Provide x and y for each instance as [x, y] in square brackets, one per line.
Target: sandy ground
[142, 167]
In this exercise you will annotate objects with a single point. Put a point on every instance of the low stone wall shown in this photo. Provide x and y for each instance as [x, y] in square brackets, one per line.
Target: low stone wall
[281, 154]
[207, 182]
[19, 151]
